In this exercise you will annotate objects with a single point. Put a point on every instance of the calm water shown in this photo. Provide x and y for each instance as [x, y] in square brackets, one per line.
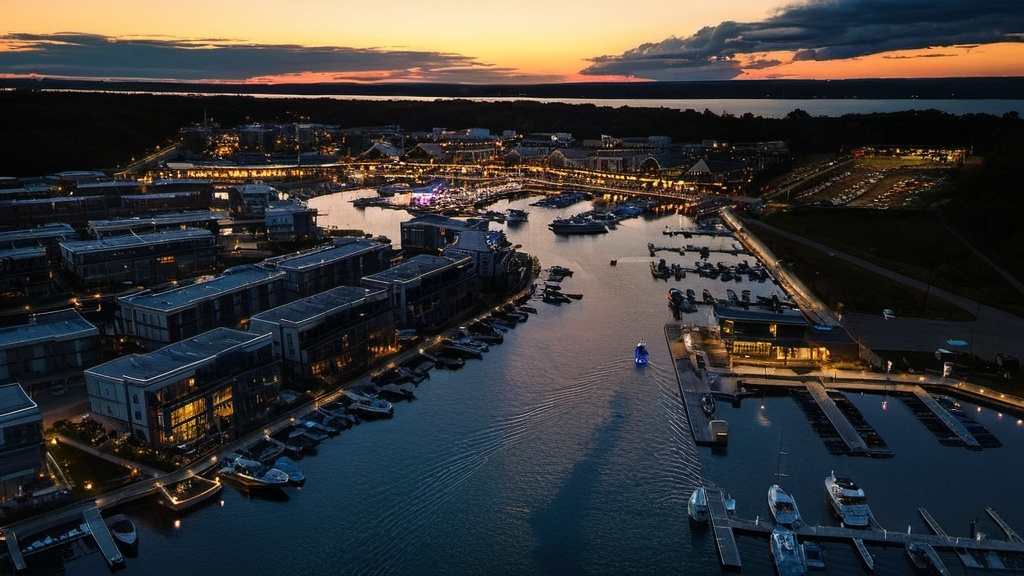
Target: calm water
[767, 107]
[556, 455]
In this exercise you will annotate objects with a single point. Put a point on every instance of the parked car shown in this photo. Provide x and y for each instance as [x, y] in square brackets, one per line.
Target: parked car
[888, 314]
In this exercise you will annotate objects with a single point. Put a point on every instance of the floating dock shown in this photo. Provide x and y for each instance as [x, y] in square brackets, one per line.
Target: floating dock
[951, 422]
[1011, 534]
[866, 557]
[101, 534]
[725, 540]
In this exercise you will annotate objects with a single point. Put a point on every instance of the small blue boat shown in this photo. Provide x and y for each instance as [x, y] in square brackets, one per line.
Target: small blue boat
[641, 356]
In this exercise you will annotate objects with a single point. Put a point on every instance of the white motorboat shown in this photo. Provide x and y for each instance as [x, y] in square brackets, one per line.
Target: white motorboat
[124, 533]
[787, 554]
[697, 507]
[848, 501]
[369, 406]
[783, 507]
[253, 474]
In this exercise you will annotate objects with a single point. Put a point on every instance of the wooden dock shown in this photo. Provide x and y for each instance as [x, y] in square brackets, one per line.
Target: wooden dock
[847, 432]
[725, 540]
[101, 534]
[951, 422]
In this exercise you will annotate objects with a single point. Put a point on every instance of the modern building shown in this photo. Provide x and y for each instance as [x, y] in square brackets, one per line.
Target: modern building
[140, 259]
[75, 210]
[253, 199]
[290, 220]
[222, 383]
[427, 291]
[48, 235]
[24, 273]
[500, 267]
[208, 219]
[429, 233]
[157, 319]
[51, 347]
[22, 457]
[781, 335]
[344, 262]
[329, 337]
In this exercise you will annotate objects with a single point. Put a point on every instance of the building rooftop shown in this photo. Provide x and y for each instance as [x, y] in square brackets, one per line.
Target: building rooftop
[184, 296]
[14, 238]
[20, 253]
[143, 369]
[100, 227]
[14, 399]
[127, 240]
[761, 314]
[320, 305]
[416, 267]
[339, 250]
[59, 325]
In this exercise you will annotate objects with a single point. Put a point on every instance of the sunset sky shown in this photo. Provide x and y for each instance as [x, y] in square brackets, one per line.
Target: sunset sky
[525, 41]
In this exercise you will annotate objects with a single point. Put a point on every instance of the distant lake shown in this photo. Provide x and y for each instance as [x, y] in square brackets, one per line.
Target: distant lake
[766, 107]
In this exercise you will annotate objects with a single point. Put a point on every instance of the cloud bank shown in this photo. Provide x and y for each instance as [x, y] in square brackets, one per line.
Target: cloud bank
[80, 55]
[819, 30]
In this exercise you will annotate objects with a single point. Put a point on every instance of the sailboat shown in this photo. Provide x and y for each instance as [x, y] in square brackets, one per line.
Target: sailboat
[781, 503]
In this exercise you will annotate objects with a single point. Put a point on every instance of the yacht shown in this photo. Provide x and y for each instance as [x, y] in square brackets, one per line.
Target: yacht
[576, 225]
[369, 406]
[783, 507]
[641, 356]
[253, 474]
[516, 216]
[848, 501]
[697, 507]
[787, 554]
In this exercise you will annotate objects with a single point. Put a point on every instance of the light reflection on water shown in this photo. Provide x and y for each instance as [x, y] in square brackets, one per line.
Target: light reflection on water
[556, 455]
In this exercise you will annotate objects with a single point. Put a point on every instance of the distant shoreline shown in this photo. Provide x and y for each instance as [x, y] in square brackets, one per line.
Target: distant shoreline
[1001, 88]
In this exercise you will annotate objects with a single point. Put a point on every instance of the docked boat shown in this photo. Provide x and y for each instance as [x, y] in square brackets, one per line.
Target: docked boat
[369, 406]
[707, 404]
[697, 506]
[309, 429]
[516, 216]
[787, 554]
[397, 391]
[184, 494]
[814, 555]
[125, 535]
[783, 507]
[925, 559]
[295, 475]
[848, 501]
[574, 225]
[641, 355]
[252, 474]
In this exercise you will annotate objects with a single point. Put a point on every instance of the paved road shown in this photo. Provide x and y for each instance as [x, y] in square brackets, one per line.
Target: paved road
[992, 331]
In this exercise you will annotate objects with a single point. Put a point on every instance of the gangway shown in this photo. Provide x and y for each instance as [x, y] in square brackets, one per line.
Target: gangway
[1011, 534]
[102, 536]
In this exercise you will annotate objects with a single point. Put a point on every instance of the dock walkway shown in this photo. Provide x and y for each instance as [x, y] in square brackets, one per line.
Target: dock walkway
[725, 540]
[102, 536]
[951, 422]
[847, 432]
[1011, 534]
[691, 387]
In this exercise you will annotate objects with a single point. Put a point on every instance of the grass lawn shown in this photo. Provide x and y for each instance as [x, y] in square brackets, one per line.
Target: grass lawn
[912, 243]
[848, 288]
[84, 469]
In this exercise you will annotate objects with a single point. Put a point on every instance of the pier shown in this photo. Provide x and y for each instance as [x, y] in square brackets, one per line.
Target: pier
[692, 386]
[102, 536]
[1011, 534]
[725, 540]
[955, 425]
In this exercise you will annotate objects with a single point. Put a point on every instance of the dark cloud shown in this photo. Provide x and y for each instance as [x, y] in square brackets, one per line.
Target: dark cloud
[94, 56]
[822, 30]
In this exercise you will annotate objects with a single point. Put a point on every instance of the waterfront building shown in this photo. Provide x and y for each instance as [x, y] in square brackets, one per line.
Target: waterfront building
[48, 235]
[22, 457]
[430, 233]
[110, 190]
[140, 259]
[427, 291]
[330, 337]
[500, 267]
[159, 223]
[781, 335]
[222, 383]
[341, 263]
[159, 318]
[252, 199]
[290, 220]
[50, 347]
